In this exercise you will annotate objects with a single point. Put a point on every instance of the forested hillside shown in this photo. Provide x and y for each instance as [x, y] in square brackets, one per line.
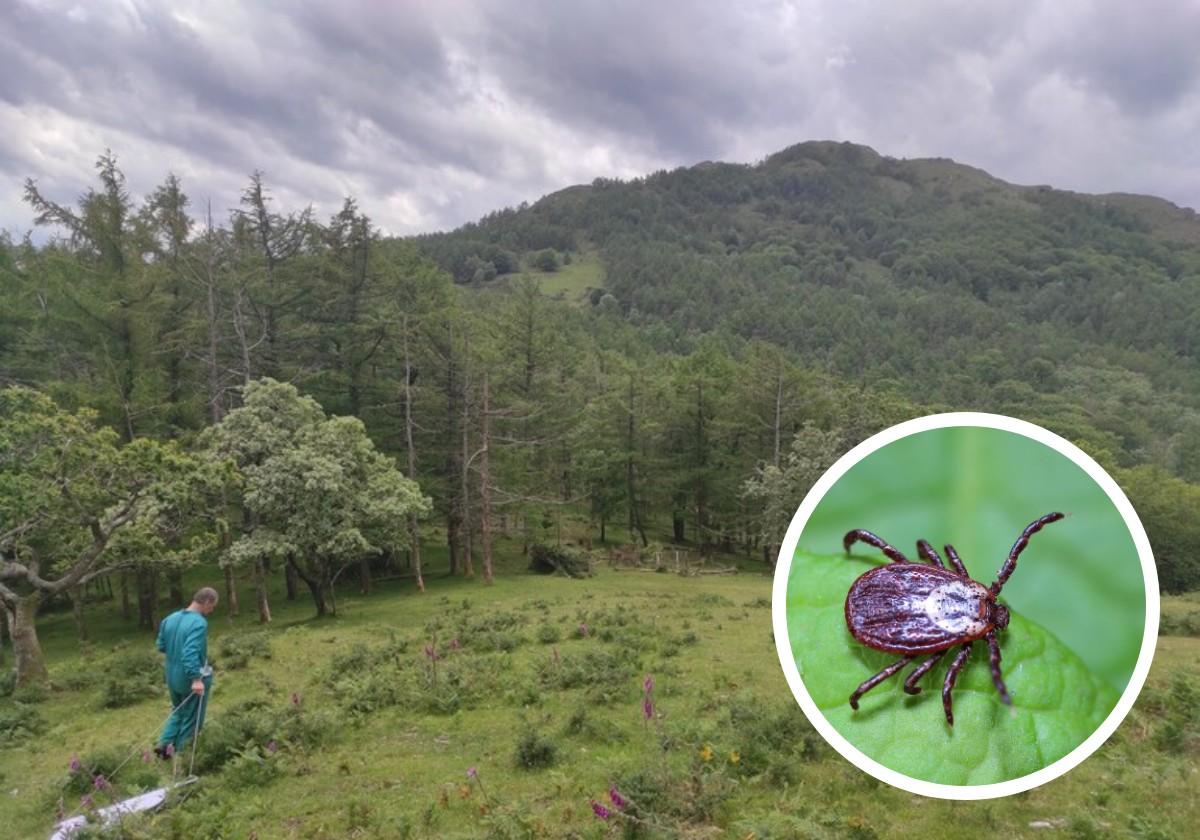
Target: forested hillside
[925, 279]
[728, 330]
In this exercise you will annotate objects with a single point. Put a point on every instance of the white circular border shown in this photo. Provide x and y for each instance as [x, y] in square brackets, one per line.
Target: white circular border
[784, 565]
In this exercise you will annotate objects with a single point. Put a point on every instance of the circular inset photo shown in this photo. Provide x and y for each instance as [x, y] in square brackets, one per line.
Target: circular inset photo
[966, 606]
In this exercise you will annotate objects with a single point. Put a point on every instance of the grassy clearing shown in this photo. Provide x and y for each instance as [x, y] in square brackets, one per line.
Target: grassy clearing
[366, 725]
[572, 282]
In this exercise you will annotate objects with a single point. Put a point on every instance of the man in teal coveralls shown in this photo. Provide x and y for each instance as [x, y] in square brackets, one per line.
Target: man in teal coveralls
[183, 637]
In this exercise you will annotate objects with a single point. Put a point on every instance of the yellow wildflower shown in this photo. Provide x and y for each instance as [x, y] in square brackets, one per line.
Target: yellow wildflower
[734, 757]
[706, 752]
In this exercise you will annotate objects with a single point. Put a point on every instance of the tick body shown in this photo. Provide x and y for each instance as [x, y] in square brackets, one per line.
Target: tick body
[915, 609]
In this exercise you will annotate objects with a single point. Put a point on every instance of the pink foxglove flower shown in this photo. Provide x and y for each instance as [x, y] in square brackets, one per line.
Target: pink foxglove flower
[600, 811]
[619, 802]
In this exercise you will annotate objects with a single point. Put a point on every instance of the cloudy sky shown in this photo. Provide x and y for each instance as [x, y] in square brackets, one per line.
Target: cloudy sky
[434, 113]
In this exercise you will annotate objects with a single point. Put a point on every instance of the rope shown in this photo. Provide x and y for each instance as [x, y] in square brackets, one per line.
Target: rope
[196, 731]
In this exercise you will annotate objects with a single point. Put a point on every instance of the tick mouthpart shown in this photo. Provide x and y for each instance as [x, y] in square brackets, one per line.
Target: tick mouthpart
[1000, 616]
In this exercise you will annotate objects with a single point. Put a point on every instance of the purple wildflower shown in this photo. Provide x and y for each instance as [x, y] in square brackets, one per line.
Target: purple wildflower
[272, 747]
[430, 653]
[647, 708]
[472, 772]
[85, 801]
[169, 750]
[648, 684]
[600, 811]
[619, 802]
[99, 782]
[75, 764]
[583, 630]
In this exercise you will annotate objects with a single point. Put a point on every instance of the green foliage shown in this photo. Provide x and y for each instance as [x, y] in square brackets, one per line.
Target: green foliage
[18, 723]
[321, 492]
[130, 777]
[130, 678]
[1166, 505]
[252, 767]
[534, 750]
[235, 651]
[254, 724]
[547, 560]
[1173, 714]
[545, 260]
[610, 671]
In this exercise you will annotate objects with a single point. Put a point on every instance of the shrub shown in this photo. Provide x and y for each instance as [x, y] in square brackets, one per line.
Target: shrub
[547, 560]
[235, 652]
[255, 723]
[18, 723]
[501, 642]
[252, 768]
[130, 678]
[1180, 624]
[545, 259]
[595, 668]
[534, 750]
[548, 634]
[133, 775]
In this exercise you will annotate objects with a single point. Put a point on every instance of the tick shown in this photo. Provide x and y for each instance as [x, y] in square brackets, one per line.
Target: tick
[915, 609]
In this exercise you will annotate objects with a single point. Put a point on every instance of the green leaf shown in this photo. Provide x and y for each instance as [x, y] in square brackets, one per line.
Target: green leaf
[1057, 701]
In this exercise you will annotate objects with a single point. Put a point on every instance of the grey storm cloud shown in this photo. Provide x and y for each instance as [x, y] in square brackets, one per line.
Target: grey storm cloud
[434, 113]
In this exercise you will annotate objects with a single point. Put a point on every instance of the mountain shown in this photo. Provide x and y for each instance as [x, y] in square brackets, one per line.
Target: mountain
[927, 276]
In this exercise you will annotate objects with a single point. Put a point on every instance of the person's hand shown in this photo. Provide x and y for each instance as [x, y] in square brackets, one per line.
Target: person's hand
[198, 686]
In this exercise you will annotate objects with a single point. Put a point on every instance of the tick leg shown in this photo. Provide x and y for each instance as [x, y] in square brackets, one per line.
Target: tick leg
[926, 551]
[910, 684]
[955, 561]
[1019, 546]
[994, 658]
[858, 534]
[877, 679]
[951, 676]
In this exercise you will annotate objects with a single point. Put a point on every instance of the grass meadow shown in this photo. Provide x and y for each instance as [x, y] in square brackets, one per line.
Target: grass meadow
[522, 709]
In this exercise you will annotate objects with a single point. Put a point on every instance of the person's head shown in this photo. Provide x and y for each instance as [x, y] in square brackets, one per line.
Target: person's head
[204, 601]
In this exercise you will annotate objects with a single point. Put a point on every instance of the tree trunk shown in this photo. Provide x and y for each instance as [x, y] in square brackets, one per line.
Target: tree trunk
[289, 579]
[635, 514]
[677, 527]
[211, 360]
[260, 591]
[414, 533]
[3, 630]
[31, 665]
[485, 484]
[231, 593]
[76, 597]
[468, 542]
[147, 590]
[364, 576]
[320, 587]
[125, 595]
[175, 580]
